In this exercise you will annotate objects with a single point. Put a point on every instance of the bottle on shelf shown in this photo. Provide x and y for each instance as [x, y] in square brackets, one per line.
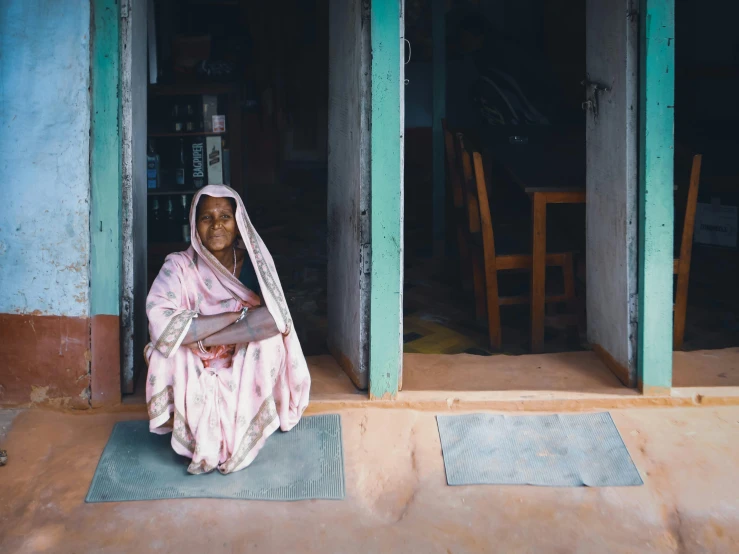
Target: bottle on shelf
[184, 219]
[210, 108]
[171, 228]
[152, 167]
[189, 118]
[180, 168]
[193, 122]
[155, 221]
[177, 125]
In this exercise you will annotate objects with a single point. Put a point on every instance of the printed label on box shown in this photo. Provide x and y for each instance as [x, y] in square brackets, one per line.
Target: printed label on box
[715, 225]
[215, 160]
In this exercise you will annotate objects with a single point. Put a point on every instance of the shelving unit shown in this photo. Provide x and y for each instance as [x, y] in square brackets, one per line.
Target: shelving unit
[187, 134]
[171, 192]
[158, 250]
[233, 124]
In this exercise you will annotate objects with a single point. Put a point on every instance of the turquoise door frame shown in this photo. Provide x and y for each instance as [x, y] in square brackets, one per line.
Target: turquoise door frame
[386, 193]
[105, 203]
[656, 214]
[656, 210]
[386, 183]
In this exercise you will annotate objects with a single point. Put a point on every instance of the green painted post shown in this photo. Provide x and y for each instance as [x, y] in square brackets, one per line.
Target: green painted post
[386, 286]
[656, 211]
[105, 162]
[438, 31]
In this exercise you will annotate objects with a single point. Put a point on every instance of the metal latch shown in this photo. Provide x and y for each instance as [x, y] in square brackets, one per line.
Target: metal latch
[592, 90]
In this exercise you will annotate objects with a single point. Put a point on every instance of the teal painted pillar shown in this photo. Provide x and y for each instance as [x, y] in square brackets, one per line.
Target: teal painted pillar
[656, 210]
[105, 162]
[105, 204]
[438, 31]
[386, 285]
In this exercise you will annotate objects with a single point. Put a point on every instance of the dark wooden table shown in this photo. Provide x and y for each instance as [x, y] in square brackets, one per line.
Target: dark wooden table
[549, 165]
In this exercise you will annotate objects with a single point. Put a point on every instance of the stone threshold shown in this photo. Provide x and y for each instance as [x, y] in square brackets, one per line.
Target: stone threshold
[508, 401]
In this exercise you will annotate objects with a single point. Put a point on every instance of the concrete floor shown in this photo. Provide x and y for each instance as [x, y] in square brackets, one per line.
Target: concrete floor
[397, 497]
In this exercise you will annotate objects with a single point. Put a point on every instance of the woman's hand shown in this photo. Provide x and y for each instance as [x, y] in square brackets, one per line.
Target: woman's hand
[257, 325]
[205, 325]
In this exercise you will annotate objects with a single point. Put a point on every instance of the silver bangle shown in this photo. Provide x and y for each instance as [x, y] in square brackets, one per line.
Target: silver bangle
[203, 350]
[243, 314]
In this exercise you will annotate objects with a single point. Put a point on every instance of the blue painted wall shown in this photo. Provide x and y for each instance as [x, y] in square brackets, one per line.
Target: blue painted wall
[44, 170]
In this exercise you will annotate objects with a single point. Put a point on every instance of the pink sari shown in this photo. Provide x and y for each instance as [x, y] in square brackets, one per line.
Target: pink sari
[227, 403]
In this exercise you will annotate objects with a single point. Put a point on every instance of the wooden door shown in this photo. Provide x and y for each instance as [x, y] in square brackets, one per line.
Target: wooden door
[611, 97]
[348, 187]
[134, 326]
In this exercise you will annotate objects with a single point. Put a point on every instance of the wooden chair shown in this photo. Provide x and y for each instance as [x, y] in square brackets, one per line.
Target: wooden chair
[480, 223]
[463, 223]
[681, 264]
[454, 184]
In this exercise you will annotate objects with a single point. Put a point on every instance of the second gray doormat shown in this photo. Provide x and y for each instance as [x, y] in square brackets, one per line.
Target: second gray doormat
[306, 463]
[550, 450]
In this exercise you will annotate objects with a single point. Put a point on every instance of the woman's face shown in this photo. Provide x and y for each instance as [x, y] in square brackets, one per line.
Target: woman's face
[216, 223]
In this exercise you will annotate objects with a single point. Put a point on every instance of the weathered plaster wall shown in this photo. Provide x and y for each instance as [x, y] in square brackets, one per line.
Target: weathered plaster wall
[44, 215]
[44, 137]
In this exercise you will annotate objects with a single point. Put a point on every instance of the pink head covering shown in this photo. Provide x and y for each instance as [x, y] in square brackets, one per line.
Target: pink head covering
[250, 241]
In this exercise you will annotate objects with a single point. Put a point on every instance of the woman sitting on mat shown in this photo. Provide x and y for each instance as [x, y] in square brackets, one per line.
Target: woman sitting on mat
[225, 366]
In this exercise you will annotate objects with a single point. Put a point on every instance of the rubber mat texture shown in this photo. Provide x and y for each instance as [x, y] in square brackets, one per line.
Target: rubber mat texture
[562, 450]
[305, 463]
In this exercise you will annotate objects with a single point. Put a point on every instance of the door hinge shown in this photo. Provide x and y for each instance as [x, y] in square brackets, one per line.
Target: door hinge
[366, 259]
[124, 8]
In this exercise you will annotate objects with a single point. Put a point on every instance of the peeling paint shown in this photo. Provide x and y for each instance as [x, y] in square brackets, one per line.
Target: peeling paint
[39, 394]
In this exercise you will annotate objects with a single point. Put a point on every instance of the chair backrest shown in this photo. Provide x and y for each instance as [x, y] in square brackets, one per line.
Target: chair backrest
[469, 186]
[452, 168]
[686, 200]
[477, 193]
[486, 220]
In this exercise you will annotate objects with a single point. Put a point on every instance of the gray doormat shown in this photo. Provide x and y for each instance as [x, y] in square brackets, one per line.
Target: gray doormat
[306, 463]
[551, 450]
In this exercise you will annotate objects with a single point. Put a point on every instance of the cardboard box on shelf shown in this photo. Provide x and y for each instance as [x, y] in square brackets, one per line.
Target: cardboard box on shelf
[197, 173]
[219, 123]
[214, 160]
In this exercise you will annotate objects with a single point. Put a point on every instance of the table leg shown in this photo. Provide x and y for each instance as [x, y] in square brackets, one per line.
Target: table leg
[538, 268]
